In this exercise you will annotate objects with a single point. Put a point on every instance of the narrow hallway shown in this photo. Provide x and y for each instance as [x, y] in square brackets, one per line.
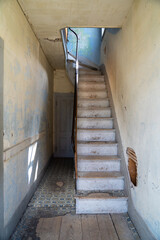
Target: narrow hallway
[79, 120]
[51, 212]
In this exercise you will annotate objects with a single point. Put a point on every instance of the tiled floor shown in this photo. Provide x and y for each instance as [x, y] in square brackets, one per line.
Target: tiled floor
[54, 197]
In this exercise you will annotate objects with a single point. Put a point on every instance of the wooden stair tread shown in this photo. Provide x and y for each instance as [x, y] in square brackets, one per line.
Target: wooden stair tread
[100, 175]
[98, 118]
[93, 108]
[101, 195]
[93, 90]
[94, 99]
[93, 82]
[98, 158]
[97, 129]
[97, 142]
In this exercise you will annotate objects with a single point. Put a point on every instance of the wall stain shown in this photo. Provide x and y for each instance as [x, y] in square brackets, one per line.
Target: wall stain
[17, 67]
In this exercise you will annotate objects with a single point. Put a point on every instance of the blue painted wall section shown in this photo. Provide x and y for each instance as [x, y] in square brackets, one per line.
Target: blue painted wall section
[89, 43]
[27, 114]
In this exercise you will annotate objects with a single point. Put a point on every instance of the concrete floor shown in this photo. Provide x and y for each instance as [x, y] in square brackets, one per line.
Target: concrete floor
[51, 212]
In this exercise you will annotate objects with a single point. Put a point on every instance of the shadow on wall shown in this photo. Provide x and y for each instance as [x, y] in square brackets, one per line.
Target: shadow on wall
[113, 30]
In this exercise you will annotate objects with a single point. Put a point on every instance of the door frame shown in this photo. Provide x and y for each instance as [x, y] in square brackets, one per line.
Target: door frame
[55, 97]
[1, 141]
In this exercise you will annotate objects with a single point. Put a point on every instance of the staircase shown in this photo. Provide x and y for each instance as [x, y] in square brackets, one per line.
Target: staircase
[100, 184]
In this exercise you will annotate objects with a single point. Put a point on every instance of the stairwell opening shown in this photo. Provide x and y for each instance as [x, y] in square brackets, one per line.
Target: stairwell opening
[132, 165]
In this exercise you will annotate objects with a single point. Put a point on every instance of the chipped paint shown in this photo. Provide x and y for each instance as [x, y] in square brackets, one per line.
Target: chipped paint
[28, 106]
[132, 63]
[48, 17]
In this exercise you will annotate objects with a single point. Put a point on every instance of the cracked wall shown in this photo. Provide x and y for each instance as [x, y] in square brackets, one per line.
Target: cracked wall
[132, 62]
[27, 114]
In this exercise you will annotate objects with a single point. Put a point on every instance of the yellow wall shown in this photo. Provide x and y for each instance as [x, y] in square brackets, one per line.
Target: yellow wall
[28, 110]
[61, 82]
[132, 61]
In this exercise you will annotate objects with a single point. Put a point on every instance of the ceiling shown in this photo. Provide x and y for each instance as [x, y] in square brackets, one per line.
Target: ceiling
[47, 17]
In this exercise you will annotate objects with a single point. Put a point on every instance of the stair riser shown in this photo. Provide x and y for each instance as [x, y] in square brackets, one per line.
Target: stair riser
[100, 184]
[92, 95]
[94, 123]
[100, 166]
[89, 85]
[84, 135]
[97, 206]
[95, 149]
[93, 103]
[94, 113]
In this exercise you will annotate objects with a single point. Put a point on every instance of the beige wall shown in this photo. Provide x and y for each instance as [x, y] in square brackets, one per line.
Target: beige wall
[28, 84]
[132, 61]
[61, 82]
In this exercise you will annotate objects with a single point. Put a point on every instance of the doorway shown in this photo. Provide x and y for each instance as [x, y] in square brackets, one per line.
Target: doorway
[63, 124]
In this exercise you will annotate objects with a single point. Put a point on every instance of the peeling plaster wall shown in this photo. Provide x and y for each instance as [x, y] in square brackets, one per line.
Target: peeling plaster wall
[132, 62]
[28, 111]
[1, 138]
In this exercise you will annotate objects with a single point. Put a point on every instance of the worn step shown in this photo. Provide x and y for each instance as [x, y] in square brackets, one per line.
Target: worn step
[95, 122]
[86, 134]
[91, 85]
[96, 148]
[100, 181]
[85, 102]
[96, 203]
[88, 72]
[92, 94]
[98, 163]
[91, 78]
[94, 112]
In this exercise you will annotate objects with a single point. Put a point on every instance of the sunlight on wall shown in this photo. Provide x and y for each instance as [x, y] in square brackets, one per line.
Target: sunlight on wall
[36, 172]
[31, 157]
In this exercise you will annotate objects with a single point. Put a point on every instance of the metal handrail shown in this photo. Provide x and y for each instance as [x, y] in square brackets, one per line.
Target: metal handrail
[64, 40]
[77, 63]
[74, 123]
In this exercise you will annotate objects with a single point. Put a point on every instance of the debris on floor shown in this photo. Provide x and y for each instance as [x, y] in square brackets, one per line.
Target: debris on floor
[53, 197]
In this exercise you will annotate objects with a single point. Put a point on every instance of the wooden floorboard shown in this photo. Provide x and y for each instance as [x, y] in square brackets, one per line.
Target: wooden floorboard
[121, 227]
[90, 228]
[106, 228]
[84, 227]
[49, 228]
[71, 228]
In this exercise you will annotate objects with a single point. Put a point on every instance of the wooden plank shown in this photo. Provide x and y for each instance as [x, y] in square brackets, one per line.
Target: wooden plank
[85, 228]
[106, 227]
[90, 228]
[71, 228]
[121, 226]
[49, 228]
[39, 226]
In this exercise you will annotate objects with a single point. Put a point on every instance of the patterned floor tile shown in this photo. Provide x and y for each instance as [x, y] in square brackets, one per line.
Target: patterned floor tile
[49, 200]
